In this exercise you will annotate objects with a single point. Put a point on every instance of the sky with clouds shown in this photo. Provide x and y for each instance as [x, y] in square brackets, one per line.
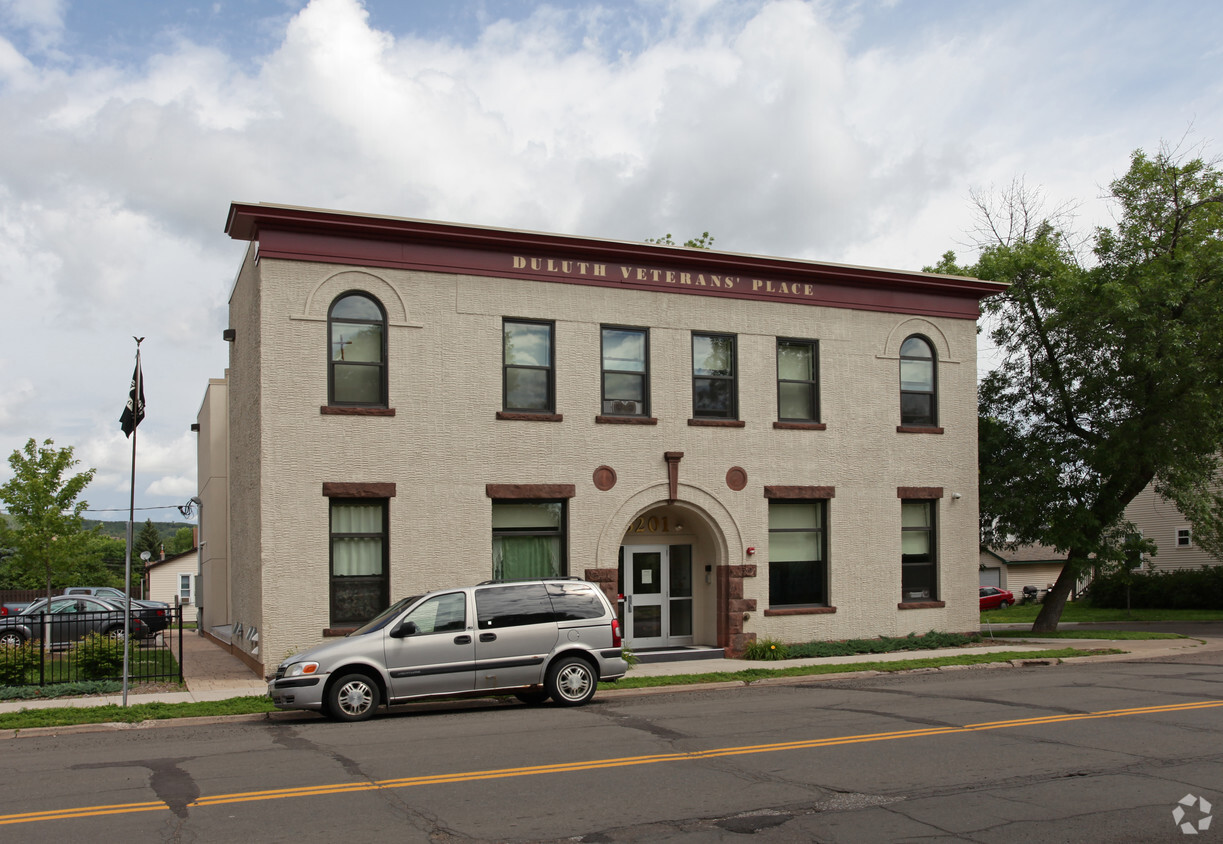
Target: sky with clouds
[839, 130]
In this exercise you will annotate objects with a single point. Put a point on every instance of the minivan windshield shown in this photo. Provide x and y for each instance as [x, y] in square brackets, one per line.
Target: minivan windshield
[383, 618]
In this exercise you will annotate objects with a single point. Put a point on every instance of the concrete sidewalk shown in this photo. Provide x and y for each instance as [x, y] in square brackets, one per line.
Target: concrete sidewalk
[212, 673]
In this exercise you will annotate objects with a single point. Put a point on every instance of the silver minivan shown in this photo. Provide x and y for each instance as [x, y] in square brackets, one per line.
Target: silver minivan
[533, 639]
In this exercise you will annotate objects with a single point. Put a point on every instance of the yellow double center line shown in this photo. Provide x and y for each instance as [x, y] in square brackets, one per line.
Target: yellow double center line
[592, 765]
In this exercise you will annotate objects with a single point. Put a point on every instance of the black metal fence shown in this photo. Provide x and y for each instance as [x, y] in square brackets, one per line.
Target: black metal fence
[46, 648]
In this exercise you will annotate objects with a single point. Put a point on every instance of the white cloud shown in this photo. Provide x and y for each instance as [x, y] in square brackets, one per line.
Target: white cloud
[836, 131]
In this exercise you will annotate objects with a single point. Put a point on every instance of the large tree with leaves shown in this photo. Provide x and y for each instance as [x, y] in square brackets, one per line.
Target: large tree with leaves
[1111, 374]
[45, 526]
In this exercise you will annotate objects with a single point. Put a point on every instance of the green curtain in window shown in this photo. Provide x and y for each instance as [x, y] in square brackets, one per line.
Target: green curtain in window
[518, 557]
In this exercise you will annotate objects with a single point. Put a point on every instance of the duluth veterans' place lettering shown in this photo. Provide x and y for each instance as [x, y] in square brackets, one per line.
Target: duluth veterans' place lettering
[651, 275]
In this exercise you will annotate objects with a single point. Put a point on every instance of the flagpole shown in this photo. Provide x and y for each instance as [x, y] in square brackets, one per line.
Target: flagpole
[138, 412]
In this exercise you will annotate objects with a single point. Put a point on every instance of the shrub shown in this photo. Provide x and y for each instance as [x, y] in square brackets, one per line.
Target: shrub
[765, 649]
[17, 661]
[1184, 589]
[98, 657]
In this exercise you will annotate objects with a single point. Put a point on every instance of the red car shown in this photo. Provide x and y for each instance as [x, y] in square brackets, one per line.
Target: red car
[993, 598]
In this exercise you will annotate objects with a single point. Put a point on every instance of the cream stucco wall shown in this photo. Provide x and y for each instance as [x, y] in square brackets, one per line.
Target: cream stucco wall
[444, 443]
[212, 472]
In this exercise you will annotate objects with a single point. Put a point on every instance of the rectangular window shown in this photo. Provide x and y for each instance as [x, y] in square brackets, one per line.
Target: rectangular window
[527, 371]
[714, 390]
[184, 588]
[528, 539]
[798, 368]
[1184, 538]
[626, 373]
[798, 566]
[918, 551]
[360, 587]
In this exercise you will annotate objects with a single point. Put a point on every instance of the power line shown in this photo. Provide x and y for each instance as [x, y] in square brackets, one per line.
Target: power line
[125, 509]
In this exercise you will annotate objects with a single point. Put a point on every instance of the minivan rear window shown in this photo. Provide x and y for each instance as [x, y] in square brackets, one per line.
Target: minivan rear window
[574, 602]
[513, 606]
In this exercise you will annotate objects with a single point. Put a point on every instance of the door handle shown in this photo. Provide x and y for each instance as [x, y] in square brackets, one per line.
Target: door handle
[628, 604]
[462, 640]
[488, 637]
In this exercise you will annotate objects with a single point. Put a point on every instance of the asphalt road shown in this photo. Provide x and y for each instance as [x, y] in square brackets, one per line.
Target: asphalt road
[1099, 752]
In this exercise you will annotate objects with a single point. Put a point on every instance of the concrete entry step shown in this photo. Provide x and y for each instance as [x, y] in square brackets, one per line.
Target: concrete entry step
[681, 654]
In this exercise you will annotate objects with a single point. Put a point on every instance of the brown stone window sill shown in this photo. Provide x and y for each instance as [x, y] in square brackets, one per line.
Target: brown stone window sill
[717, 423]
[801, 611]
[626, 420]
[337, 410]
[800, 426]
[530, 417]
[921, 605]
[914, 429]
[332, 632]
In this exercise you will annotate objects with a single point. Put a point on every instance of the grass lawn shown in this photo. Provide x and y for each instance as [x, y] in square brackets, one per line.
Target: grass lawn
[60, 717]
[1083, 634]
[1078, 611]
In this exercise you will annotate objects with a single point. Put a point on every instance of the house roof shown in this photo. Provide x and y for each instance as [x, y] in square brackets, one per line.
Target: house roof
[314, 234]
[152, 564]
[1025, 555]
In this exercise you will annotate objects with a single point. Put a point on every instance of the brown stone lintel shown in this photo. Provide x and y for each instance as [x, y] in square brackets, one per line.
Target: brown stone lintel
[742, 571]
[530, 417]
[357, 490]
[915, 429]
[919, 492]
[601, 575]
[800, 492]
[801, 611]
[340, 410]
[626, 420]
[717, 423]
[331, 632]
[921, 605]
[742, 605]
[800, 426]
[530, 490]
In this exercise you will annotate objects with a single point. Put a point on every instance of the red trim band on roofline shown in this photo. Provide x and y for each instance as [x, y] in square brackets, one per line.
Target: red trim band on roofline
[306, 234]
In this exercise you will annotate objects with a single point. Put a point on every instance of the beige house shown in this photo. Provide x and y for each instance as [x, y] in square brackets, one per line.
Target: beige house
[172, 579]
[1028, 565]
[1163, 524]
[733, 446]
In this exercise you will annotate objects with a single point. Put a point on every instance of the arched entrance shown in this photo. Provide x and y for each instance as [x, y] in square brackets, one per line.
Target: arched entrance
[666, 577]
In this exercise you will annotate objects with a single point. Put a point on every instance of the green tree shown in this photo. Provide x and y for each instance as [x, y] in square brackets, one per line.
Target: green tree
[45, 528]
[148, 539]
[705, 241]
[1110, 376]
[183, 540]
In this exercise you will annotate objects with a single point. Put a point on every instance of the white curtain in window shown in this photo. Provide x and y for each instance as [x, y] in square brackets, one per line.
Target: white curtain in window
[355, 556]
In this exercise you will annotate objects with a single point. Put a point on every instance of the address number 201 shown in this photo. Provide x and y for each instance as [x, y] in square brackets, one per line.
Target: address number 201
[652, 524]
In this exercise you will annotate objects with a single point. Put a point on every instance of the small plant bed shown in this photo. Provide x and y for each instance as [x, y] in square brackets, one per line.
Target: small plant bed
[1085, 634]
[771, 649]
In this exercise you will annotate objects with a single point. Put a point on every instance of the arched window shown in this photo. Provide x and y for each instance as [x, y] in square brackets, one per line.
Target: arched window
[918, 386]
[356, 357]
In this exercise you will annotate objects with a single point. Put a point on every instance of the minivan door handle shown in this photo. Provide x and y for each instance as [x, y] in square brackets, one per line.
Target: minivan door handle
[462, 640]
[488, 637]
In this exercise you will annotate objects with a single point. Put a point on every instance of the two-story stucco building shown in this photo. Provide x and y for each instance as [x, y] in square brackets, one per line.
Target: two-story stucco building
[740, 446]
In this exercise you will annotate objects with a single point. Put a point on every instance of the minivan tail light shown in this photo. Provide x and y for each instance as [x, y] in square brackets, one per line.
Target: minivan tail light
[616, 640]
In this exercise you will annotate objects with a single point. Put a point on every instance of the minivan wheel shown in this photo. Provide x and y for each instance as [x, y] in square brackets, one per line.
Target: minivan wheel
[12, 637]
[571, 681]
[353, 697]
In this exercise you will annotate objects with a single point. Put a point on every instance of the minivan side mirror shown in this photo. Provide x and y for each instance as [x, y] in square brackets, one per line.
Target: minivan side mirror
[404, 628]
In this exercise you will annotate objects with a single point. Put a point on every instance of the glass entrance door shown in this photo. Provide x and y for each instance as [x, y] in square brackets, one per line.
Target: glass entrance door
[658, 595]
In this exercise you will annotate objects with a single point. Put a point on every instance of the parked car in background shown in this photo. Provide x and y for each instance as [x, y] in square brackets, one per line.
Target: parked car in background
[13, 608]
[534, 639]
[68, 619]
[993, 598]
[154, 614]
